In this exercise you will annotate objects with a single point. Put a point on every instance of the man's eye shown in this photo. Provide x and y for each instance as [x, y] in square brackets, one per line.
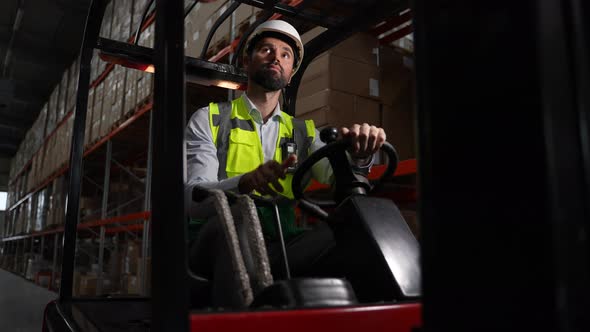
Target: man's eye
[286, 55]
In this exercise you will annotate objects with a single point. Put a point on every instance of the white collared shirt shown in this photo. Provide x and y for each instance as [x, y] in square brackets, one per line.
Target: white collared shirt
[201, 153]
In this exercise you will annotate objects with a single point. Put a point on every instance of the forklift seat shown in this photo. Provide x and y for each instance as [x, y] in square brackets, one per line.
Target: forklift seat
[247, 258]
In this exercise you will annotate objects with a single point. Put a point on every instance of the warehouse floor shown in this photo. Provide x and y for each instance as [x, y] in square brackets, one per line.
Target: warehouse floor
[21, 303]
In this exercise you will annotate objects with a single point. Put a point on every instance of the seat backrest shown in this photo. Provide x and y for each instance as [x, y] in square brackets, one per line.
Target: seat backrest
[252, 245]
[238, 218]
[214, 207]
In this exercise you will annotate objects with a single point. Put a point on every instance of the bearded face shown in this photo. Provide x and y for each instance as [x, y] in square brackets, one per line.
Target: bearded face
[270, 77]
[271, 64]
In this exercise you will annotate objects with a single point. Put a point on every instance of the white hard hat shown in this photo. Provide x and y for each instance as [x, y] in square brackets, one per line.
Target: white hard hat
[284, 28]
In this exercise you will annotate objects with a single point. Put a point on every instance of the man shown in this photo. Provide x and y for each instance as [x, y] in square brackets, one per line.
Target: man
[253, 159]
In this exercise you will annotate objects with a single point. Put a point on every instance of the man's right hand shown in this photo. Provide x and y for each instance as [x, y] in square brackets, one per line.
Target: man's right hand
[266, 174]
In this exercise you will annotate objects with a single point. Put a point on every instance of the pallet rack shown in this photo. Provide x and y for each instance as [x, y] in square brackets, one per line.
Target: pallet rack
[100, 153]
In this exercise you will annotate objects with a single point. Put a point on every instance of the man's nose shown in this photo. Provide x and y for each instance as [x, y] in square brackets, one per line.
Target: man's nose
[275, 56]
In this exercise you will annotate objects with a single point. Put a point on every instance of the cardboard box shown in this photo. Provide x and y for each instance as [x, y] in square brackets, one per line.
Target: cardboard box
[342, 74]
[107, 103]
[116, 27]
[70, 129]
[131, 256]
[72, 86]
[88, 125]
[138, 9]
[360, 47]
[148, 276]
[52, 110]
[399, 125]
[147, 37]
[194, 39]
[97, 112]
[107, 21]
[94, 66]
[101, 65]
[119, 95]
[130, 284]
[130, 91]
[203, 11]
[76, 283]
[144, 86]
[200, 20]
[397, 76]
[125, 12]
[336, 108]
[311, 34]
[89, 208]
[223, 33]
[88, 285]
[62, 98]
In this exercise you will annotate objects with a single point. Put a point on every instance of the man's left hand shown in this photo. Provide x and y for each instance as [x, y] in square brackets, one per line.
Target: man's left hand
[365, 139]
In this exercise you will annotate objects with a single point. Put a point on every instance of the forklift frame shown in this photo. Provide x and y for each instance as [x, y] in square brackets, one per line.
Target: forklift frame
[169, 304]
[504, 186]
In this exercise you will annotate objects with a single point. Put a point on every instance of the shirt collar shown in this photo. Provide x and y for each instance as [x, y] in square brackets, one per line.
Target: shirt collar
[255, 113]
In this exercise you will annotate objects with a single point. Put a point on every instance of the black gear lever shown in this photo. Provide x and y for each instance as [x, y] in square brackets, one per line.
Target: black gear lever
[329, 135]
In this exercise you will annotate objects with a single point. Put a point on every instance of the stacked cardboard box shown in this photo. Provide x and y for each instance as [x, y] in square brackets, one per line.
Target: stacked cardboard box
[97, 108]
[357, 81]
[56, 202]
[109, 92]
[143, 80]
[89, 114]
[139, 7]
[72, 85]
[341, 86]
[201, 19]
[52, 110]
[63, 96]
[131, 266]
[130, 91]
[42, 209]
[118, 96]
[398, 117]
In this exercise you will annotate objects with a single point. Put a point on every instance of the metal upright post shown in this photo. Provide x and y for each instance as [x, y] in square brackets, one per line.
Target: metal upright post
[103, 214]
[91, 31]
[232, 35]
[145, 241]
[170, 300]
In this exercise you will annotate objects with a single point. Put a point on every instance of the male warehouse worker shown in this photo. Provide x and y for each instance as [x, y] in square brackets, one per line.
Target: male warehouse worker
[244, 153]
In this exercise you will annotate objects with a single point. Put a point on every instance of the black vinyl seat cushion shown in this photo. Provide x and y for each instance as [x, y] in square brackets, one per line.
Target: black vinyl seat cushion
[305, 293]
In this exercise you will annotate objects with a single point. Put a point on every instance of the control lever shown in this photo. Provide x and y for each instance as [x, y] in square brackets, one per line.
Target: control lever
[329, 135]
[272, 203]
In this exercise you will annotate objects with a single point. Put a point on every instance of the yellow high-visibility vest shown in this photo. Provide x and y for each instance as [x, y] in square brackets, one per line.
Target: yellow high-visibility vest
[239, 148]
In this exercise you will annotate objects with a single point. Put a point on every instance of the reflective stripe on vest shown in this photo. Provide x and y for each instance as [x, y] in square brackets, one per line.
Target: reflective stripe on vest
[239, 148]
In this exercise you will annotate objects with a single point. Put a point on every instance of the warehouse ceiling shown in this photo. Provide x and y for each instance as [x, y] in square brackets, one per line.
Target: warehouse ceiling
[38, 40]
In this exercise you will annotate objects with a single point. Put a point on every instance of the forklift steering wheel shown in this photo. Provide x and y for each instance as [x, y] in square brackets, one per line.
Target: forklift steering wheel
[347, 182]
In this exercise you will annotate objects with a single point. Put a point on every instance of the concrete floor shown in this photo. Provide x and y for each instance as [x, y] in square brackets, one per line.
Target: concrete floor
[21, 303]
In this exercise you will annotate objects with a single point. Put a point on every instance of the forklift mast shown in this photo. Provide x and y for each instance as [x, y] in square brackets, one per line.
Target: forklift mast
[169, 304]
[502, 90]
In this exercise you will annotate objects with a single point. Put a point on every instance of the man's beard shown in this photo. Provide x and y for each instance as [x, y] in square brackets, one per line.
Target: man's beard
[269, 80]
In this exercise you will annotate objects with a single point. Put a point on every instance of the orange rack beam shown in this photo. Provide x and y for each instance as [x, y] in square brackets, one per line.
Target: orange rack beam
[404, 167]
[140, 111]
[144, 215]
[97, 81]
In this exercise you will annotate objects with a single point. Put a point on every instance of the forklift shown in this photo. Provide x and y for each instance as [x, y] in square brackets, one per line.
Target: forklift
[388, 290]
[502, 90]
